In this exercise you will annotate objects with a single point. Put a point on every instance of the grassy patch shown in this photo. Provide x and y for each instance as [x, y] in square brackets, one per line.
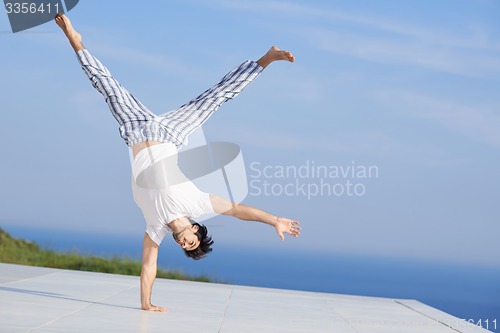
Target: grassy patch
[22, 252]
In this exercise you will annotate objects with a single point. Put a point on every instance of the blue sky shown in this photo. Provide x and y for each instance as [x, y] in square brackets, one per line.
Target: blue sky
[409, 87]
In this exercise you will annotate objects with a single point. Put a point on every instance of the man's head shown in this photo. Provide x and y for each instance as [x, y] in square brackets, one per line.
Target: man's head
[194, 240]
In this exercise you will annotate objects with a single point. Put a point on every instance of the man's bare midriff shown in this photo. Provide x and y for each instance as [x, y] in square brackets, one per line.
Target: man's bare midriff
[140, 146]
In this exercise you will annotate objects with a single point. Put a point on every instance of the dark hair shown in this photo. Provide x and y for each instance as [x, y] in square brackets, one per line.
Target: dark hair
[205, 246]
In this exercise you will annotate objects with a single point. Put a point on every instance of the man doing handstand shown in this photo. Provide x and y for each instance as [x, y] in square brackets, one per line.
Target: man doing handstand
[153, 138]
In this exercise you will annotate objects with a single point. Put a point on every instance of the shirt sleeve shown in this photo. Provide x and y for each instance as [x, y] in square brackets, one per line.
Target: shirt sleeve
[188, 200]
[200, 204]
[207, 203]
[157, 234]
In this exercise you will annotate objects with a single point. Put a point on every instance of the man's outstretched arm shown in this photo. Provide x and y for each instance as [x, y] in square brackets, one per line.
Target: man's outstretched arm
[282, 225]
[148, 274]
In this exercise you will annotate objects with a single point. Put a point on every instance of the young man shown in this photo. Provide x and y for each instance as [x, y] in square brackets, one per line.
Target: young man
[167, 203]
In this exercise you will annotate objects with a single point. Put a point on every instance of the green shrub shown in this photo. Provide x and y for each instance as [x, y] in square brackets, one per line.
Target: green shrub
[18, 251]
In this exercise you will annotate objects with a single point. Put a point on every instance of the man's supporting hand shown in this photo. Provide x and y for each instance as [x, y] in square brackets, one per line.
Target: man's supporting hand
[284, 225]
[148, 274]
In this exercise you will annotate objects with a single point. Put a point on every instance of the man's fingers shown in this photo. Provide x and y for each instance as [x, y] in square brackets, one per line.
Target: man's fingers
[295, 225]
[295, 231]
[288, 226]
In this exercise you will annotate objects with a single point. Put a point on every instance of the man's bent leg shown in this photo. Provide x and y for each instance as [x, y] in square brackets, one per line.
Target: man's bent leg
[184, 120]
[192, 115]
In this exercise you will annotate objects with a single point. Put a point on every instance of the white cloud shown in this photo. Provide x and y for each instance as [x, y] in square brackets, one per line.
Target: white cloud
[158, 62]
[367, 144]
[480, 123]
[477, 38]
[470, 52]
[408, 52]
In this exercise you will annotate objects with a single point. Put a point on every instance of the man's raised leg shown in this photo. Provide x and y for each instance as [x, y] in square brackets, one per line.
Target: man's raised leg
[193, 114]
[126, 108]
[275, 54]
[74, 37]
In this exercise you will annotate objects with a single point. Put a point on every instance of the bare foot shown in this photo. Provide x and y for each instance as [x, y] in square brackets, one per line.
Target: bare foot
[74, 37]
[275, 54]
[154, 308]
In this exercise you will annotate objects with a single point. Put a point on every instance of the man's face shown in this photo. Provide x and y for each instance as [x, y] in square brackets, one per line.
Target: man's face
[187, 238]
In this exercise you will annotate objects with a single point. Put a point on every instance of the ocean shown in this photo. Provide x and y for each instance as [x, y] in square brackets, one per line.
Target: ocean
[469, 292]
